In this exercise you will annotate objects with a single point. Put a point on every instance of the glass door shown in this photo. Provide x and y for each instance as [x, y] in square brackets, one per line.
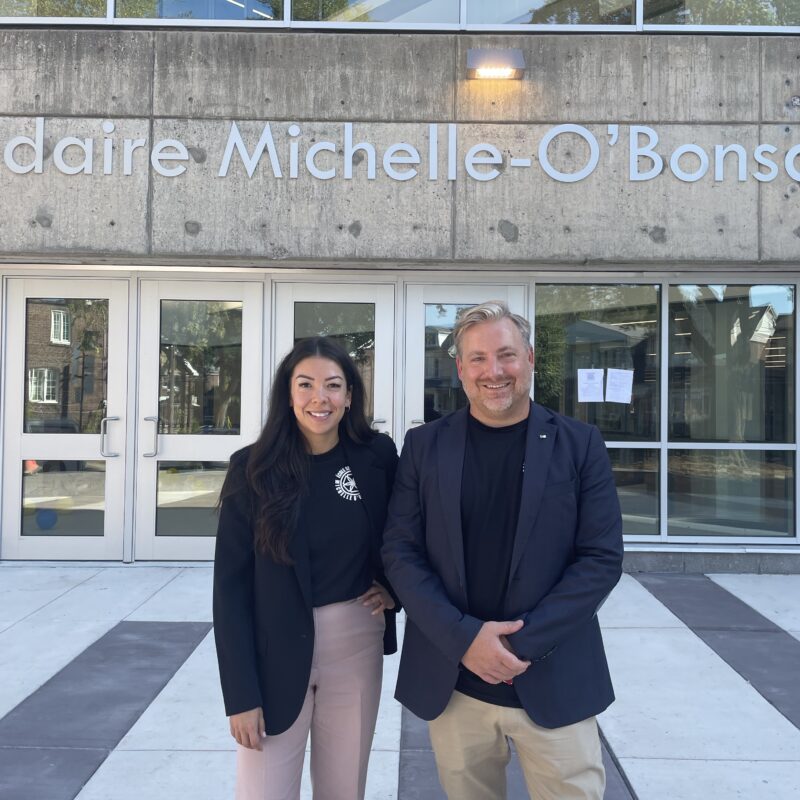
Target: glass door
[200, 400]
[432, 387]
[360, 317]
[65, 419]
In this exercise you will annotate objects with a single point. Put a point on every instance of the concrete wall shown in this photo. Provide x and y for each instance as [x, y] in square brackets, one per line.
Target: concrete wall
[190, 85]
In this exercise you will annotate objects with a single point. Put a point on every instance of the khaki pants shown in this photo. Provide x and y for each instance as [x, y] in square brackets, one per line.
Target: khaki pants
[340, 709]
[470, 740]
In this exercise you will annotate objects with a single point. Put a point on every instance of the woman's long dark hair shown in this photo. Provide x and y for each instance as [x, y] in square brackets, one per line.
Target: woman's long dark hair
[277, 468]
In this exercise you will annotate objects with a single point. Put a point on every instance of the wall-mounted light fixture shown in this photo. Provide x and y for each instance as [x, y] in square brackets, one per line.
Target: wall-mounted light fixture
[506, 64]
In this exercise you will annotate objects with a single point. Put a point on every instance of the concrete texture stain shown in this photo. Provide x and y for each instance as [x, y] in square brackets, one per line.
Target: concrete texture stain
[796, 231]
[658, 234]
[508, 230]
[355, 229]
[191, 227]
[44, 219]
[198, 154]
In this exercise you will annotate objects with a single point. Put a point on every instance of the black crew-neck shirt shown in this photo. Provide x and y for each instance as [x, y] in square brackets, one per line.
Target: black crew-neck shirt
[335, 524]
[491, 485]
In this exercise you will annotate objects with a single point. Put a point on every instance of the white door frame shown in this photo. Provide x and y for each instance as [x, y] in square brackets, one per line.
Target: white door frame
[19, 445]
[188, 447]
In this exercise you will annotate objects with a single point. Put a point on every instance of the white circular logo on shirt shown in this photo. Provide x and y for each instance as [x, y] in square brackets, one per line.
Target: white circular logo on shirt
[345, 484]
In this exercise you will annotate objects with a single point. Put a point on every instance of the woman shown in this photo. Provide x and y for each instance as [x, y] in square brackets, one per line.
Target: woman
[302, 614]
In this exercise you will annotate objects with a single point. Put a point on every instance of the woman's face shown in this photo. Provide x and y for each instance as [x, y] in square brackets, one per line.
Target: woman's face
[318, 395]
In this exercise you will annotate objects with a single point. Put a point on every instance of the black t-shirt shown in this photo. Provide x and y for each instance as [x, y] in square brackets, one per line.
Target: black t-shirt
[335, 523]
[491, 485]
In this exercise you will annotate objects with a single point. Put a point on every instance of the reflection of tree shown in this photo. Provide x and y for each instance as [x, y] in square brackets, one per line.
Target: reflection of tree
[89, 323]
[722, 12]
[200, 366]
[599, 327]
[720, 387]
[53, 8]
[313, 10]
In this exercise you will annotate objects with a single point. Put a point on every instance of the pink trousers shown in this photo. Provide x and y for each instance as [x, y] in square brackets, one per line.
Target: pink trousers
[339, 711]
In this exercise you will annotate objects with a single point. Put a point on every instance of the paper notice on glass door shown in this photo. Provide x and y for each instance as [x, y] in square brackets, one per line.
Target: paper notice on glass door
[619, 386]
[590, 385]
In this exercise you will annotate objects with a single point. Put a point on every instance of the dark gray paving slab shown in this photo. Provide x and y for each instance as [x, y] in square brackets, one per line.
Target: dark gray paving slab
[45, 773]
[56, 738]
[760, 651]
[700, 603]
[418, 779]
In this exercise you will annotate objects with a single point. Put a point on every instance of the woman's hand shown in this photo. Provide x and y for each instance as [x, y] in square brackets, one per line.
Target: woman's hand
[377, 598]
[248, 728]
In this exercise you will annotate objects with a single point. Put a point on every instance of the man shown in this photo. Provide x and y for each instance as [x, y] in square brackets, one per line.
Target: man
[503, 539]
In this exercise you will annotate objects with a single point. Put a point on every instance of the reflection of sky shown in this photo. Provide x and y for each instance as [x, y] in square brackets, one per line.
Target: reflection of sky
[780, 297]
[442, 320]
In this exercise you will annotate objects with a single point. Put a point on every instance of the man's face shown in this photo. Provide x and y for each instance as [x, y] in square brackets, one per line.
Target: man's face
[495, 368]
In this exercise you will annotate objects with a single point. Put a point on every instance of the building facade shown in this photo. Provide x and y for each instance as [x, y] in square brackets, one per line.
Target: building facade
[184, 193]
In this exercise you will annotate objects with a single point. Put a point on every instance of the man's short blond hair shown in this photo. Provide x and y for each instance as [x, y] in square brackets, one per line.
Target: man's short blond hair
[490, 311]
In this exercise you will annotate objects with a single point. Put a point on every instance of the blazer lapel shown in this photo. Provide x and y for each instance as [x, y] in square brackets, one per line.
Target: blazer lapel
[451, 447]
[538, 452]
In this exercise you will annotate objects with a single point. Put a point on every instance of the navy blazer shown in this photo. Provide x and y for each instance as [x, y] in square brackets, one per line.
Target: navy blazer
[566, 559]
[263, 620]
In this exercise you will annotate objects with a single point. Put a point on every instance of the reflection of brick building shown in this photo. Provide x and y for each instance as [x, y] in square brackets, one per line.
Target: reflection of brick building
[66, 359]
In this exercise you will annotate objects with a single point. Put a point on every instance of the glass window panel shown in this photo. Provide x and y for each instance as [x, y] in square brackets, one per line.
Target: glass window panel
[599, 327]
[443, 392]
[731, 363]
[200, 9]
[551, 12]
[408, 11]
[636, 476]
[63, 498]
[66, 362]
[52, 8]
[714, 12]
[352, 325]
[731, 493]
[200, 367]
[187, 496]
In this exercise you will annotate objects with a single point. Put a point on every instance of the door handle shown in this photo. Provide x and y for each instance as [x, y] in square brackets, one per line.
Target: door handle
[417, 421]
[103, 433]
[378, 422]
[155, 437]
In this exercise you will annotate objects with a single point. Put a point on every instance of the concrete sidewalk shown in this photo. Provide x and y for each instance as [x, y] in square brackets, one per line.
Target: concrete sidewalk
[109, 691]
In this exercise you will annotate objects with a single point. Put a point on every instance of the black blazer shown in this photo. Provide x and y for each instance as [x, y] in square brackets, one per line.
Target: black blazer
[263, 621]
[566, 558]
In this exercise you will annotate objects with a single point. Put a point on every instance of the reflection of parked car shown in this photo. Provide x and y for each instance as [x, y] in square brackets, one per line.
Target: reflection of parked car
[55, 425]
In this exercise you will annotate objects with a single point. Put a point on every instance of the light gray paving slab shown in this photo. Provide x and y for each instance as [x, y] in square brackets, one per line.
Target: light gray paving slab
[697, 779]
[188, 714]
[630, 605]
[777, 597]
[187, 598]
[173, 774]
[677, 699]
[33, 650]
[24, 590]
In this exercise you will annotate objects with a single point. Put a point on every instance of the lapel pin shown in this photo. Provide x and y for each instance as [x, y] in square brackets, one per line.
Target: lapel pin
[542, 435]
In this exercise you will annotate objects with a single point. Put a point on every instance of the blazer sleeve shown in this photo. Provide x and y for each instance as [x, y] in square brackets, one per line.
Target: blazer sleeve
[596, 567]
[407, 565]
[233, 605]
